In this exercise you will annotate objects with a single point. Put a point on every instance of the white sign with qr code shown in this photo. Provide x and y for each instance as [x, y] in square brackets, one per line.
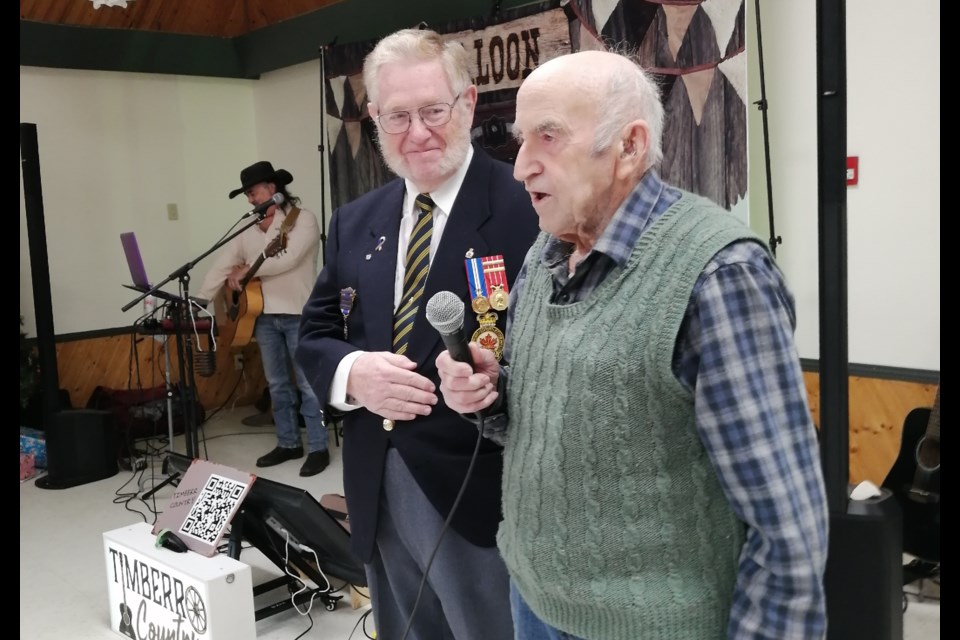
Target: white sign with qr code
[204, 503]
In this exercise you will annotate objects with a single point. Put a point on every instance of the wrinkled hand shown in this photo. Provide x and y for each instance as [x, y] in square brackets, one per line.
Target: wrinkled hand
[236, 276]
[388, 385]
[464, 389]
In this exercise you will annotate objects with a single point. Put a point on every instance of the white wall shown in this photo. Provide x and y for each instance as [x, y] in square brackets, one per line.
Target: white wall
[116, 148]
[893, 215]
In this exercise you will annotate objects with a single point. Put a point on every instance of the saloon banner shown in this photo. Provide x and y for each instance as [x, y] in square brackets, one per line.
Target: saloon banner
[696, 50]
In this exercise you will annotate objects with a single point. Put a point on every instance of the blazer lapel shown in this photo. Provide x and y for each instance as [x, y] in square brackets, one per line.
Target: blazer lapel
[377, 254]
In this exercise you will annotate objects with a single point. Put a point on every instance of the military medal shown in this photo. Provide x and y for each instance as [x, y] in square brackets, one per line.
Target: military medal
[347, 298]
[480, 304]
[496, 280]
[478, 286]
[488, 335]
[488, 294]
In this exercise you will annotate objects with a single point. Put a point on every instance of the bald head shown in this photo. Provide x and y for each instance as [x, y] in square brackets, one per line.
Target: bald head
[611, 86]
[582, 70]
[589, 127]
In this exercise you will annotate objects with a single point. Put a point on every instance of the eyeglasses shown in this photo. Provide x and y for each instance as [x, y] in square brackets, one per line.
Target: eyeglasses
[431, 115]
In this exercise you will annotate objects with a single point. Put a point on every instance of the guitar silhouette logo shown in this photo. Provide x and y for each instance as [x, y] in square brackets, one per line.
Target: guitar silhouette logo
[126, 620]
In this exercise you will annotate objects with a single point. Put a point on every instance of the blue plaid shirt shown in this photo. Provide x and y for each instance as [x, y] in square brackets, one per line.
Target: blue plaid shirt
[735, 353]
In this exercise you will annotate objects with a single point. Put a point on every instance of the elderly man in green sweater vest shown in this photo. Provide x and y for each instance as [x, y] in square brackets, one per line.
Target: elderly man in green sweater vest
[662, 477]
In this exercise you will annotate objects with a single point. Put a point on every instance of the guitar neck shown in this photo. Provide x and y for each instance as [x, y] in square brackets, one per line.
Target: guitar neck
[252, 271]
[933, 427]
[275, 246]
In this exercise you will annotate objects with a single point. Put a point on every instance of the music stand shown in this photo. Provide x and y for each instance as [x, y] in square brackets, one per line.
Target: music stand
[181, 308]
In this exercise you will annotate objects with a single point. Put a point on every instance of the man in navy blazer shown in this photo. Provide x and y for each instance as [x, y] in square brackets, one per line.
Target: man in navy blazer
[406, 455]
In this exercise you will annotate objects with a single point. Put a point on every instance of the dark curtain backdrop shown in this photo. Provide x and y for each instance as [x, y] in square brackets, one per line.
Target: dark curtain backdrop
[695, 50]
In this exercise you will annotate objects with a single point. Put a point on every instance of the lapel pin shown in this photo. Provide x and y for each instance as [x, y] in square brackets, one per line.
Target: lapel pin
[368, 256]
[469, 253]
[380, 243]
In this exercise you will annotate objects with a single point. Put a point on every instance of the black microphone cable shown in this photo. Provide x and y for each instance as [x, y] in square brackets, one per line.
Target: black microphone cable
[446, 525]
[444, 312]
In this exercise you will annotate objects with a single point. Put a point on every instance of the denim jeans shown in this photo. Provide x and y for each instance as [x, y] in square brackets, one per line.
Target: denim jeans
[526, 624]
[276, 336]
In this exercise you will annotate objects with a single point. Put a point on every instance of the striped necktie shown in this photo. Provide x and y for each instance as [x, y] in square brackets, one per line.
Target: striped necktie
[415, 274]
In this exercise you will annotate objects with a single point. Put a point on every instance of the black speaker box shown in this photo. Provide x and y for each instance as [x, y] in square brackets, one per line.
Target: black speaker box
[864, 578]
[81, 448]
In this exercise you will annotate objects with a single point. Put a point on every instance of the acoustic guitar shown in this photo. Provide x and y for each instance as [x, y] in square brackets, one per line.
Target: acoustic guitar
[242, 308]
[914, 481]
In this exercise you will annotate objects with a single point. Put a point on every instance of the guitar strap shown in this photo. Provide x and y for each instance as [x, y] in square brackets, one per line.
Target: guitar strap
[290, 220]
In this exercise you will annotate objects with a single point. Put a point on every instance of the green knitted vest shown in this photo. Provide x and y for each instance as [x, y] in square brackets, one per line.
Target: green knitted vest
[615, 525]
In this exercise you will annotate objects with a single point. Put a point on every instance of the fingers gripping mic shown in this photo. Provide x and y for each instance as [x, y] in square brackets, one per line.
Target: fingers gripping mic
[445, 314]
[261, 209]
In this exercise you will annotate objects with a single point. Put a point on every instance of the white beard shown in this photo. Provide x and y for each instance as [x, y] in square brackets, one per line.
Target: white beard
[458, 143]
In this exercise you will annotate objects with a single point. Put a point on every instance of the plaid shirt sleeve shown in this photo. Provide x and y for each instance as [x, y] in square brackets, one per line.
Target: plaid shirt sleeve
[737, 355]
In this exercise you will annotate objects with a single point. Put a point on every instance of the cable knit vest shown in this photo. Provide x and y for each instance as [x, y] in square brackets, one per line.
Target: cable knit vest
[615, 525]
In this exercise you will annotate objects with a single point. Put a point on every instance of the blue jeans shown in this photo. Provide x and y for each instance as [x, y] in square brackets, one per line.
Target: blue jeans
[526, 624]
[276, 336]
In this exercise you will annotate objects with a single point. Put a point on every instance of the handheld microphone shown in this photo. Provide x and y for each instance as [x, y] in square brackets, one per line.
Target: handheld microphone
[261, 209]
[445, 312]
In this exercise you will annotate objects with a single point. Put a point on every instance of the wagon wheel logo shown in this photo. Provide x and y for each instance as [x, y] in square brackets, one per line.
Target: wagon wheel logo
[196, 611]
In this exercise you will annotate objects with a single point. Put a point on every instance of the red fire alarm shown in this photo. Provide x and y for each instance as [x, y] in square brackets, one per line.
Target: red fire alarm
[853, 170]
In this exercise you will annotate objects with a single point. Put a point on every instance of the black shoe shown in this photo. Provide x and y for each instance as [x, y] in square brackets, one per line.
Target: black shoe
[315, 463]
[278, 455]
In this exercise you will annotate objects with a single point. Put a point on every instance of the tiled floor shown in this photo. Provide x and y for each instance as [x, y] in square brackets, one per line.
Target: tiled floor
[63, 591]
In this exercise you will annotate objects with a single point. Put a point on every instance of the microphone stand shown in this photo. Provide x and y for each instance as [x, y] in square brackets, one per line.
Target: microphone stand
[323, 153]
[184, 351]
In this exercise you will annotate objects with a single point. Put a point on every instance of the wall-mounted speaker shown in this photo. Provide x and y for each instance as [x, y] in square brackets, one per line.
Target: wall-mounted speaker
[81, 448]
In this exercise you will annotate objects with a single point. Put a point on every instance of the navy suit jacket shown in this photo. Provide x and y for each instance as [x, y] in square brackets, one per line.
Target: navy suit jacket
[492, 215]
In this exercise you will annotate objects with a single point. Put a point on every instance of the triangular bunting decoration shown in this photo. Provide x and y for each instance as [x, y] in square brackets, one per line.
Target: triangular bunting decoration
[359, 92]
[735, 71]
[723, 17]
[354, 133]
[336, 88]
[678, 21]
[333, 130]
[601, 12]
[697, 85]
[588, 41]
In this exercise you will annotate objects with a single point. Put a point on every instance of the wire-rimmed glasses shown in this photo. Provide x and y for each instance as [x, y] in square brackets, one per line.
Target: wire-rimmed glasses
[431, 115]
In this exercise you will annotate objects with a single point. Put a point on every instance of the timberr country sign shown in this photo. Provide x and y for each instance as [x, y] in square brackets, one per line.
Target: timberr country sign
[165, 606]
[157, 594]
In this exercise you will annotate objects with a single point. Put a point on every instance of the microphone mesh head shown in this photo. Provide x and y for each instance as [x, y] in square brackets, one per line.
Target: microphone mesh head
[445, 312]
[278, 198]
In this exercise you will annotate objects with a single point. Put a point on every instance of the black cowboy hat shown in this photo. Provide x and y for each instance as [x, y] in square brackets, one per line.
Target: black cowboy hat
[261, 172]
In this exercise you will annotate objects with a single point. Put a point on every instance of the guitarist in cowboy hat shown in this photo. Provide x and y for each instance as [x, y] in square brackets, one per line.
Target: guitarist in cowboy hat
[286, 279]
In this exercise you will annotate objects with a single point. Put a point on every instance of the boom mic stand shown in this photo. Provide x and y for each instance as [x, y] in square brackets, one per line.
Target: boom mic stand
[181, 306]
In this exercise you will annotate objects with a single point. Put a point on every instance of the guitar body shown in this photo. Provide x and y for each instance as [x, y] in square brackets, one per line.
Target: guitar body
[244, 309]
[917, 487]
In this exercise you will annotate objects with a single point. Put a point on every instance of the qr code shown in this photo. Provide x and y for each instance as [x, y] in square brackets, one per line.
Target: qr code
[212, 509]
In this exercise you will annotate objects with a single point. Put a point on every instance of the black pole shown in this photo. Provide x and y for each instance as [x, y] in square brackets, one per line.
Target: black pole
[832, 225]
[863, 580]
[39, 271]
[762, 106]
[323, 155]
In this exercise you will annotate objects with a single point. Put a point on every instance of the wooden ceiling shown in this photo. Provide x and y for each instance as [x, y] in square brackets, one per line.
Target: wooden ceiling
[217, 18]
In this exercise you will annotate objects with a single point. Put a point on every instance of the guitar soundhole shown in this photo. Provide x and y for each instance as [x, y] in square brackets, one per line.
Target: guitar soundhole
[928, 454]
